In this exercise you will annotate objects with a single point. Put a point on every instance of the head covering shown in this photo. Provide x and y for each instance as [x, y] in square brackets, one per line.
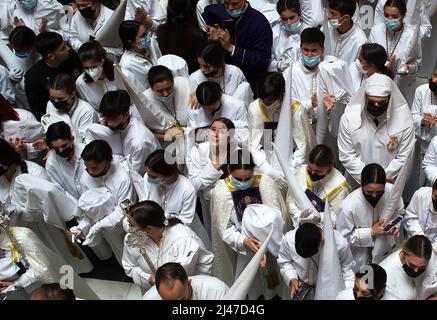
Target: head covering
[98, 131]
[329, 274]
[37, 194]
[176, 64]
[108, 35]
[256, 221]
[241, 286]
[28, 130]
[378, 85]
[96, 203]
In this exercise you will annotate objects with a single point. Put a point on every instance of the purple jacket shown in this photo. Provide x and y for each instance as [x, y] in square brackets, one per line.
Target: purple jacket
[252, 36]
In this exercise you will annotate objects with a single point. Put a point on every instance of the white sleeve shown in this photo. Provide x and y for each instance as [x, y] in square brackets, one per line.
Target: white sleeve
[429, 162]
[202, 176]
[411, 220]
[285, 262]
[188, 253]
[347, 262]
[186, 215]
[358, 237]
[234, 238]
[132, 269]
[407, 141]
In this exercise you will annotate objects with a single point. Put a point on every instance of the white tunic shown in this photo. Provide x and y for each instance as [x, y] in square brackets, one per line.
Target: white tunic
[67, 175]
[430, 161]
[81, 30]
[293, 266]
[79, 117]
[6, 87]
[153, 8]
[93, 92]
[346, 46]
[402, 287]
[421, 206]
[178, 244]
[357, 218]
[118, 181]
[233, 83]
[333, 188]
[286, 45]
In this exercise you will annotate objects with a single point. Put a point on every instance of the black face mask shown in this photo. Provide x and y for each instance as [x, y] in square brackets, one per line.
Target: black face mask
[432, 86]
[101, 174]
[2, 171]
[362, 298]
[410, 271]
[434, 204]
[65, 153]
[315, 177]
[87, 12]
[61, 105]
[118, 127]
[373, 201]
[212, 73]
[376, 111]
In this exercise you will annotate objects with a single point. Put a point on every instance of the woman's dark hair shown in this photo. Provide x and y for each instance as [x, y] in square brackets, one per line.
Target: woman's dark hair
[53, 291]
[243, 161]
[343, 6]
[307, 239]
[47, 42]
[7, 112]
[180, 12]
[58, 130]
[208, 92]
[158, 74]
[156, 162]
[213, 54]
[379, 278]
[9, 156]
[322, 156]
[271, 85]
[434, 185]
[375, 54]
[63, 82]
[231, 142]
[312, 35]
[128, 32]
[97, 151]
[22, 38]
[400, 4]
[373, 173]
[292, 5]
[149, 213]
[114, 103]
[418, 246]
[228, 123]
[93, 50]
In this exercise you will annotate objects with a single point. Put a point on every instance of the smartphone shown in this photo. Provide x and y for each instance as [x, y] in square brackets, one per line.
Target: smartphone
[394, 223]
[125, 205]
[302, 293]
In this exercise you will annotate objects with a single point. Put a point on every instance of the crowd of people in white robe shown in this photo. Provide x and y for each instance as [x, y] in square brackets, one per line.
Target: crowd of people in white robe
[329, 158]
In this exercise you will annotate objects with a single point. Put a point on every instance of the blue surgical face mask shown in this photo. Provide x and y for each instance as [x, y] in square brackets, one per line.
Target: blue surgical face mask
[28, 4]
[234, 13]
[294, 27]
[165, 99]
[145, 42]
[310, 61]
[157, 182]
[22, 54]
[392, 24]
[242, 185]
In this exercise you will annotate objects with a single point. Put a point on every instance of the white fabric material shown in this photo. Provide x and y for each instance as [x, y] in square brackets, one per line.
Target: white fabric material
[27, 128]
[233, 83]
[422, 207]
[360, 142]
[153, 8]
[402, 287]
[293, 266]
[97, 131]
[357, 218]
[178, 244]
[176, 64]
[81, 30]
[312, 12]
[108, 34]
[286, 46]
[430, 160]
[268, 9]
[6, 87]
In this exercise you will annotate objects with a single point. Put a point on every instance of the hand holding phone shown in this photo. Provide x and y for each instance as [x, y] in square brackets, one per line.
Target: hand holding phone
[393, 224]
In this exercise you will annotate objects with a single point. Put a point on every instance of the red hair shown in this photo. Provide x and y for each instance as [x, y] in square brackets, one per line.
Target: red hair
[7, 112]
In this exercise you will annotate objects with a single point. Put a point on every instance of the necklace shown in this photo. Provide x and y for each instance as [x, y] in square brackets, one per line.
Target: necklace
[396, 42]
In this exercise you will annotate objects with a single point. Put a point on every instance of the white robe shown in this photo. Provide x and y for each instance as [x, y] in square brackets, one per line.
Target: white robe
[153, 8]
[79, 117]
[93, 92]
[226, 243]
[118, 181]
[399, 44]
[357, 218]
[286, 45]
[421, 206]
[45, 266]
[178, 244]
[293, 266]
[136, 67]
[204, 288]
[312, 12]
[6, 87]
[430, 161]
[346, 46]
[402, 287]
[66, 175]
[81, 30]
[333, 188]
[233, 83]
[268, 9]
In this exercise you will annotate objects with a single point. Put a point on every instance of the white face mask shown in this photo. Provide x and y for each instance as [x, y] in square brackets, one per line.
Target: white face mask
[360, 67]
[335, 23]
[275, 106]
[94, 73]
